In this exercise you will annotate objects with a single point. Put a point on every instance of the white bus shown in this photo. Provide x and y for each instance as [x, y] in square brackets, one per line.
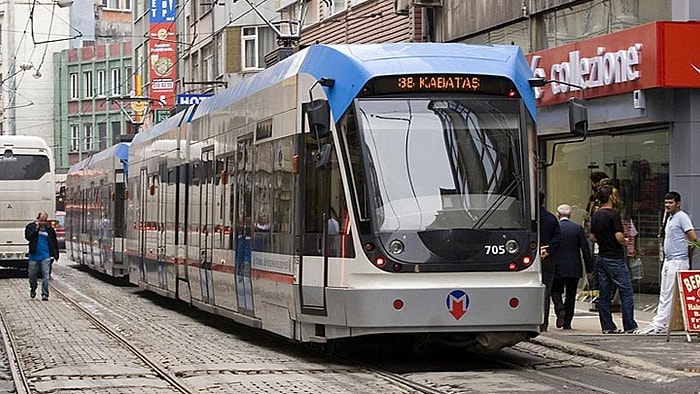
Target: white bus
[27, 186]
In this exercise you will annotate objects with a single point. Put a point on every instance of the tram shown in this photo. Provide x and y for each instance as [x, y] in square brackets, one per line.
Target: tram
[350, 190]
[95, 210]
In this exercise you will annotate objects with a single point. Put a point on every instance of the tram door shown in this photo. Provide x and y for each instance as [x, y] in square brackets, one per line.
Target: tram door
[315, 218]
[142, 222]
[162, 205]
[206, 217]
[244, 221]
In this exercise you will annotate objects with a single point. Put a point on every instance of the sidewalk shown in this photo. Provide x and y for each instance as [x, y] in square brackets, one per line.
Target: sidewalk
[671, 356]
[586, 321]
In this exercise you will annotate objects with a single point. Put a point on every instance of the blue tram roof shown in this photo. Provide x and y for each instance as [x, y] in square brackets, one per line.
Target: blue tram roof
[119, 150]
[352, 65]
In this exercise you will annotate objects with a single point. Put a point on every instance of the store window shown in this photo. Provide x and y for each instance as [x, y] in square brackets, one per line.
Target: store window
[594, 18]
[638, 165]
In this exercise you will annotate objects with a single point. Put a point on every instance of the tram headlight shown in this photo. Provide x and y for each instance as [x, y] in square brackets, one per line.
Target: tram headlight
[512, 246]
[396, 247]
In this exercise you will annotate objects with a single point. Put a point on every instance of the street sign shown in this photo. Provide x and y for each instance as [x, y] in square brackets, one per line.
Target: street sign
[160, 115]
[685, 304]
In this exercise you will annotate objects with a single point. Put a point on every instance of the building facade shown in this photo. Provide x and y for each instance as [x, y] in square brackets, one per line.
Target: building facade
[91, 114]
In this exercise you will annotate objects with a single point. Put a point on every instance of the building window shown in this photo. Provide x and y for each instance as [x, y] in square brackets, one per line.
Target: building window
[101, 83]
[335, 7]
[116, 82]
[208, 63]
[127, 81]
[102, 135]
[127, 4]
[74, 86]
[114, 4]
[74, 137]
[88, 137]
[220, 55]
[514, 34]
[116, 132]
[595, 18]
[87, 84]
[257, 41]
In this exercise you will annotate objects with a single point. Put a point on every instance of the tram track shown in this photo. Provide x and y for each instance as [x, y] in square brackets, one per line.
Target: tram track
[19, 378]
[158, 369]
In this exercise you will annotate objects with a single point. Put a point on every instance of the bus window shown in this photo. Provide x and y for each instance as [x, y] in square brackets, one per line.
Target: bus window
[22, 167]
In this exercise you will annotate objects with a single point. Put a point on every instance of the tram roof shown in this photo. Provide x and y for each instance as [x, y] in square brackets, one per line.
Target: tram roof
[160, 128]
[120, 150]
[352, 65]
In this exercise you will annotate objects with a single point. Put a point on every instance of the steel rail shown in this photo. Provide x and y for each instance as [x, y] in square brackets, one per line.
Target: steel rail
[18, 376]
[160, 371]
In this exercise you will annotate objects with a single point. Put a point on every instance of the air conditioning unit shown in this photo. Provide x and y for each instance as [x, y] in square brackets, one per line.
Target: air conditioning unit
[427, 3]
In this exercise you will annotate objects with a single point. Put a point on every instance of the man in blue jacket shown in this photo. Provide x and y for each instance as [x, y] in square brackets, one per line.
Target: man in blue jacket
[569, 268]
[43, 247]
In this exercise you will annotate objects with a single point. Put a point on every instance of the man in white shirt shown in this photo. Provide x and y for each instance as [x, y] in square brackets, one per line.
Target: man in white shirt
[677, 253]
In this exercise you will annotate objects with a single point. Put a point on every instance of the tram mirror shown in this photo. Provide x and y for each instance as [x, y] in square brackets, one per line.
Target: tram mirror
[578, 117]
[319, 115]
[323, 156]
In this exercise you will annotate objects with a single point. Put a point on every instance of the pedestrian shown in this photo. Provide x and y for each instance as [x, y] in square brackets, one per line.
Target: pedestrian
[549, 245]
[43, 247]
[607, 231]
[568, 266]
[677, 257]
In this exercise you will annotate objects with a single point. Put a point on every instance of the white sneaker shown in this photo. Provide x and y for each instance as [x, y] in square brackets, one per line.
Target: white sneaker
[650, 330]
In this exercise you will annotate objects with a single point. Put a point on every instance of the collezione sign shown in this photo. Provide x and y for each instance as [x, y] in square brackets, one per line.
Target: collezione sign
[439, 83]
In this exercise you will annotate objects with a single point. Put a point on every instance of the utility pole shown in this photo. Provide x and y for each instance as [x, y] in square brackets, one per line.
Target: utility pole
[10, 29]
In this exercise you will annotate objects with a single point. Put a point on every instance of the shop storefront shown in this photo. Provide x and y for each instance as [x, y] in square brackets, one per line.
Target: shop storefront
[641, 87]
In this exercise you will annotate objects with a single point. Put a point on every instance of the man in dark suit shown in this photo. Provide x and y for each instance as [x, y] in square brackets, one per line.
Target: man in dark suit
[549, 245]
[568, 269]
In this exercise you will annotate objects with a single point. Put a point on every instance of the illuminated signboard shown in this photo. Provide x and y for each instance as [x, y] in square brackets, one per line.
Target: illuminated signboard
[463, 83]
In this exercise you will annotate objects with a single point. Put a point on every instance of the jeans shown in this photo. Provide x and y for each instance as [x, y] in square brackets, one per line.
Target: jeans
[45, 273]
[614, 272]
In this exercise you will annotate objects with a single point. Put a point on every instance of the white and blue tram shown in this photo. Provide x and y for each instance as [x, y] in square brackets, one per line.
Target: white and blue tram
[350, 190]
[95, 210]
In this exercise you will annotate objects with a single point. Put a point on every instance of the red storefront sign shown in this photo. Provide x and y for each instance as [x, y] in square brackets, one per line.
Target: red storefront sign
[654, 55]
[689, 288]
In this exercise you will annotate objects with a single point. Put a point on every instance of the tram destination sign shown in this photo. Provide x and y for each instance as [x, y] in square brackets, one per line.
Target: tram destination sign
[453, 83]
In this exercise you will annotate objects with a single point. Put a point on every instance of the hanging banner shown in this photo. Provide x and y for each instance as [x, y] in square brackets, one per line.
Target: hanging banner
[162, 53]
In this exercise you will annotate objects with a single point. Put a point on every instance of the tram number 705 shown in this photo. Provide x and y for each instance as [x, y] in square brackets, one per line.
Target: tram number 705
[495, 249]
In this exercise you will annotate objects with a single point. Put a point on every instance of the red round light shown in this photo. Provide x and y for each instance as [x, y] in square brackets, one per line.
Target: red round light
[512, 266]
[514, 302]
[398, 304]
[527, 260]
[380, 262]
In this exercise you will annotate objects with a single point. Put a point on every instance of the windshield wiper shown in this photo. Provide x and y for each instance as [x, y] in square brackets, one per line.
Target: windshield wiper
[500, 200]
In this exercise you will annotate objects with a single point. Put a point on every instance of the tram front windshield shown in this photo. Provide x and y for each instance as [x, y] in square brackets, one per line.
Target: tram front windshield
[440, 164]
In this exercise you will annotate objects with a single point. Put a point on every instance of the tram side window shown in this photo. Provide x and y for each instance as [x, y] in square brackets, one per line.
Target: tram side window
[348, 129]
[326, 205]
[264, 224]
